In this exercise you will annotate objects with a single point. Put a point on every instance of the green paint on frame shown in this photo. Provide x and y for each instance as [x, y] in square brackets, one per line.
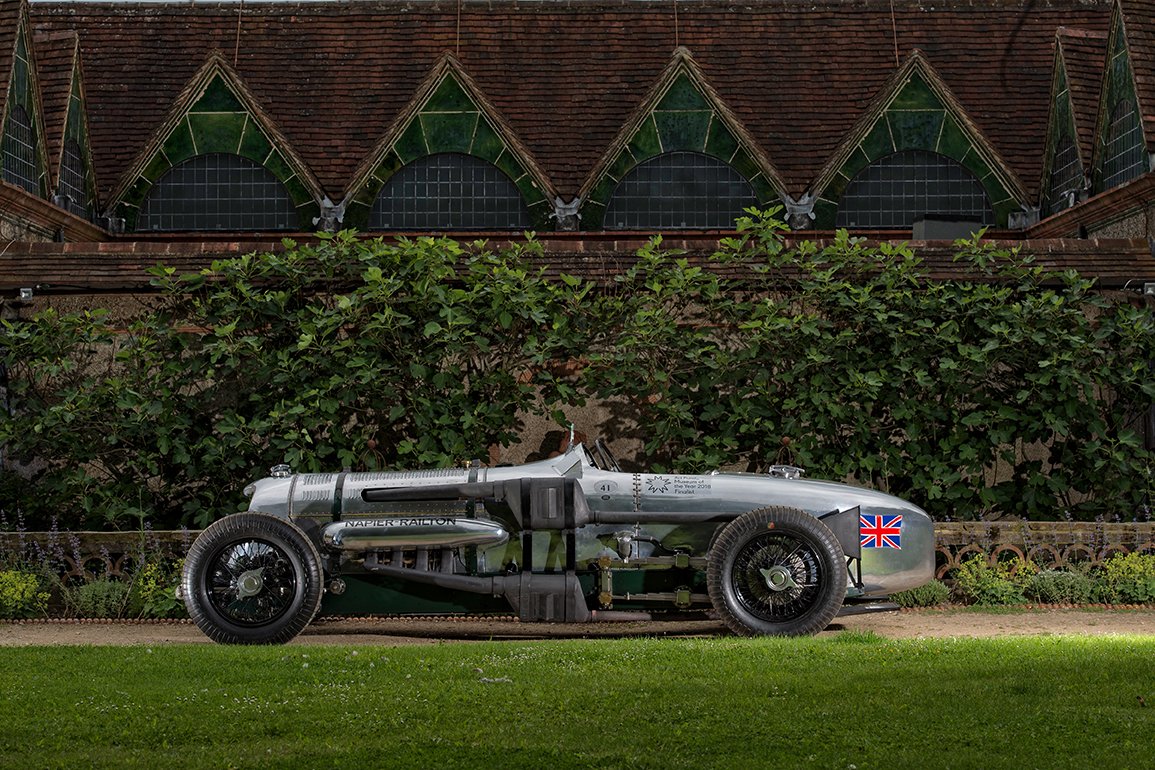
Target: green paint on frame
[683, 95]
[916, 130]
[487, 144]
[449, 97]
[877, 143]
[157, 167]
[683, 130]
[411, 144]
[953, 141]
[254, 144]
[217, 132]
[510, 165]
[218, 97]
[916, 95]
[449, 132]
[179, 145]
[825, 214]
[645, 143]
[593, 214]
[721, 143]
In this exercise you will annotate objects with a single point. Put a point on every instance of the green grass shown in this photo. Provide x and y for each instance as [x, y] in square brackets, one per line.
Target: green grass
[851, 700]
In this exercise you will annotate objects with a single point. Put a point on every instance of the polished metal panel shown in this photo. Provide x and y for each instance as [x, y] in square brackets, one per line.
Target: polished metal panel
[411, 532]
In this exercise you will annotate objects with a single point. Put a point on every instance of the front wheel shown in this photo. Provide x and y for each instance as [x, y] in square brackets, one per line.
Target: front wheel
[252, 578]
[776, 571]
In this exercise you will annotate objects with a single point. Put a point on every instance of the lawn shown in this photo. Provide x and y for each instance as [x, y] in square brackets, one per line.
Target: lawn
[854, 700]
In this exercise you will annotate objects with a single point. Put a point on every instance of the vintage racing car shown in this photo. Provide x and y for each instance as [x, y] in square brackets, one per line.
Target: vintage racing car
[568, 539]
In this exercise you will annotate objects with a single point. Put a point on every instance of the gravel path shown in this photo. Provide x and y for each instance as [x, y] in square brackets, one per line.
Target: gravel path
[890, 624]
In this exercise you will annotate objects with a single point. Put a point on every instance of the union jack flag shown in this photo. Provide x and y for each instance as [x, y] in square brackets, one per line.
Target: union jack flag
[881, 531]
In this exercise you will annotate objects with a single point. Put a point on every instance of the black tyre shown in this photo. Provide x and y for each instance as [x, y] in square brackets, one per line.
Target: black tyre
[252, 578]
[776, 571]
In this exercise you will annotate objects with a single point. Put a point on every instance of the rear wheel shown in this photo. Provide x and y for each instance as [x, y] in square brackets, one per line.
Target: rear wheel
[776, 571]
[252, 578]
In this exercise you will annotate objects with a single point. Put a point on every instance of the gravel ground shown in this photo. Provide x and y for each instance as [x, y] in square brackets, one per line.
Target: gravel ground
[890, 624]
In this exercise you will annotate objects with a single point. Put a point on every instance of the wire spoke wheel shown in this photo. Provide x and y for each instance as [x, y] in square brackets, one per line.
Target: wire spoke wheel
[252, 578]
[251, 582]
[776, 571]
[777, 577]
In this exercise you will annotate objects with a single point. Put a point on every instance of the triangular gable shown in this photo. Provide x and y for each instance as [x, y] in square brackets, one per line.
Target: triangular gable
[11, 12]
[1075, 80]
[216, 113]
[449, 114]
[1083, 56]
[681, 112]
[21, 83]
[1119, 88]
[1138, 21]
[65, 117]
[915, 110]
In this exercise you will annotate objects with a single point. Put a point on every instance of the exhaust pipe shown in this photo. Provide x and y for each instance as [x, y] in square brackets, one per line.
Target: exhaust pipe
[411, 532]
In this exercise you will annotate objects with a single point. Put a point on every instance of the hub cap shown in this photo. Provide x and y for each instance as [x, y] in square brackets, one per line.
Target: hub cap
[778, 577]
[251, 582]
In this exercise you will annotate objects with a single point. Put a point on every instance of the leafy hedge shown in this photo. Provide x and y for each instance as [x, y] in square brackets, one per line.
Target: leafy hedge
[1020, 391]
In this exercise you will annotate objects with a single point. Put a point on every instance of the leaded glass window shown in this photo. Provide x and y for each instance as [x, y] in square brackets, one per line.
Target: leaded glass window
[73, 188]
[218, 191]
[1066, 180]
[896, 190]
[679, 190]
[19, 151]
[449, 191]
[1124, 154]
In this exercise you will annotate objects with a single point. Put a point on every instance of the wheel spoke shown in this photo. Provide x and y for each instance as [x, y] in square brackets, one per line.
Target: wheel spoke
[259, 601]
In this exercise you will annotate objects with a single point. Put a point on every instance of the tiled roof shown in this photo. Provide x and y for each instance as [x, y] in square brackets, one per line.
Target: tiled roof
[1139, 25]
[566, 76]
[1083, 54]
[55, 62]
[121, 266]
[9, 22]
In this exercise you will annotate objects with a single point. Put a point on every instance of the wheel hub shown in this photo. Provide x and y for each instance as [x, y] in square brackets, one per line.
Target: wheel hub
[250, 583]
[778, 578]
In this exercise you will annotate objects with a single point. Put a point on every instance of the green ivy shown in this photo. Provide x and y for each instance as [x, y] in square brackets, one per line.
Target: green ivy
[344, 353]
[1016, 391]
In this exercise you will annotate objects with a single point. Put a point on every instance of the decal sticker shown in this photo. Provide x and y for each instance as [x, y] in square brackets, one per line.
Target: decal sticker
[677, 485]
[606, 487]
[657, 485]
[421, 521]
[881, 531]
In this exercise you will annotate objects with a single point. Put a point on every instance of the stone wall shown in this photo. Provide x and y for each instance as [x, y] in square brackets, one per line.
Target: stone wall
[78, 556]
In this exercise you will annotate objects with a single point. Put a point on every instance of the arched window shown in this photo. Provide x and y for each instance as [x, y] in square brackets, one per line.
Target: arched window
[896, 190]
[219, 191]
[679, 190]
[19, 151]
[73, 188]
[449, 191]
[1066, 180]
[1124, 153]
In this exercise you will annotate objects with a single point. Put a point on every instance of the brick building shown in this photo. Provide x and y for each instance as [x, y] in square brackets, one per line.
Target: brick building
[137, 132]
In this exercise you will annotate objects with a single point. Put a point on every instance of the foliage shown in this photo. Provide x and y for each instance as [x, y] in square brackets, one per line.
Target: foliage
[153, 591]
[932, 594]
[979, 582]
[1060, 587]
[346, 352]
[101, 598]
[1016, 391]
[1130, 578]
[688, 703]
[21, 595]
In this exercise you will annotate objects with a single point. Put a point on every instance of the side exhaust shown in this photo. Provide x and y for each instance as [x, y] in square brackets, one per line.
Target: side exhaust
[411, 532]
